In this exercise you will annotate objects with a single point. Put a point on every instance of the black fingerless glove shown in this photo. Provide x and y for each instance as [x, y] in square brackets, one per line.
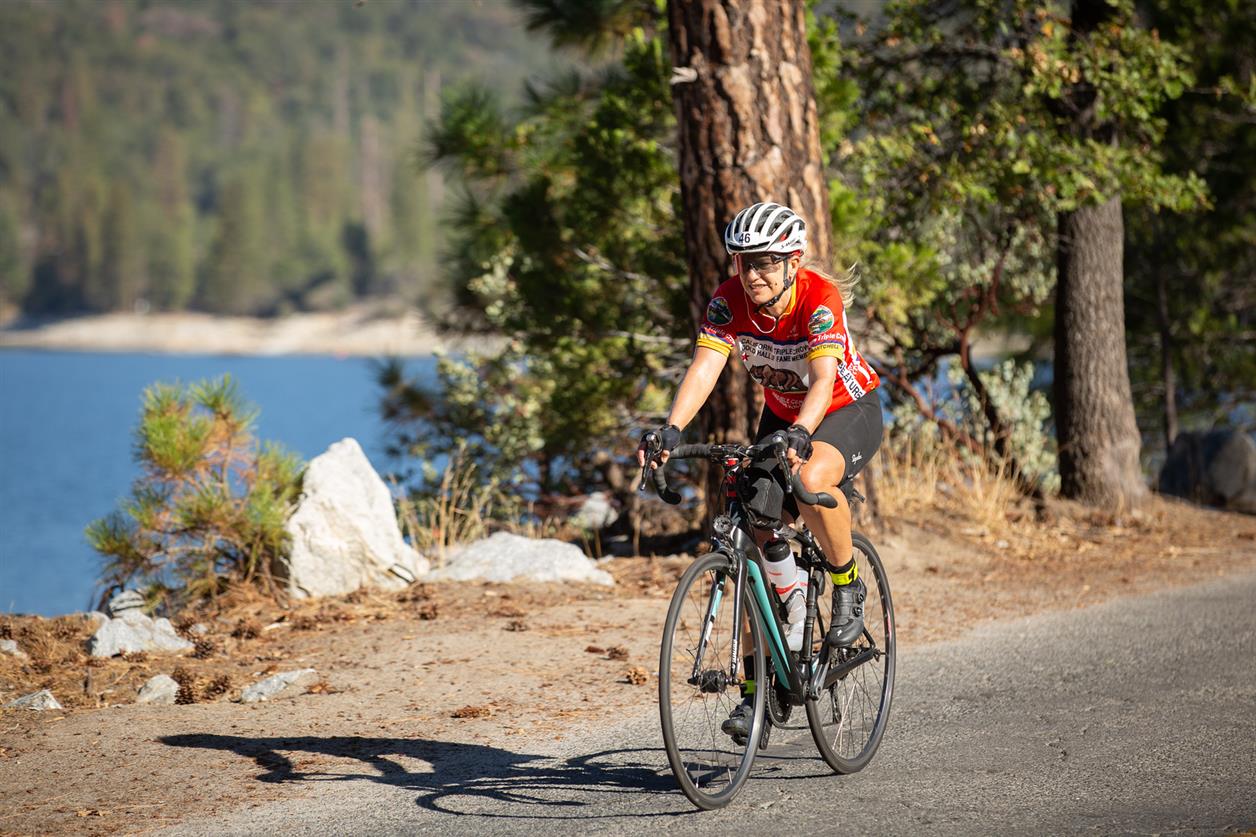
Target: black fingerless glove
[798, 438]
[668, 437]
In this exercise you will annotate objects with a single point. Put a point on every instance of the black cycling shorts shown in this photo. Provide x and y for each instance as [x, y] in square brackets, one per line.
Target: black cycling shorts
[855, 430]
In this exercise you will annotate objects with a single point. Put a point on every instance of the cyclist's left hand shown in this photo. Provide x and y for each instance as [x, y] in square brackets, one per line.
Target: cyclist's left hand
[667, 436]
[799, 440]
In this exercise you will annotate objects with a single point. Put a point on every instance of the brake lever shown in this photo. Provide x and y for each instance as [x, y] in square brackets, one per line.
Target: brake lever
[653, 444]
[778, 448]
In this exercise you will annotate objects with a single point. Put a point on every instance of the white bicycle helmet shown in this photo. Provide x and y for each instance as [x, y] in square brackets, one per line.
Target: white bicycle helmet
[766, 228]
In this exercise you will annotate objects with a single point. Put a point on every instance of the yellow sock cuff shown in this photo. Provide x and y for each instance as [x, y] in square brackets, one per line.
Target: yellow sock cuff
[842, 579]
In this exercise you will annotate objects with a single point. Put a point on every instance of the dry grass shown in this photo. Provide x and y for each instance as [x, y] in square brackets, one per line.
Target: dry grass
[924, 483]
[458, 513]
[920, 476]
[466, 509]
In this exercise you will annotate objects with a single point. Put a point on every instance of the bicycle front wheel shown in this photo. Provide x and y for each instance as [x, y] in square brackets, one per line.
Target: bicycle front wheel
[696, 693]
[849, 718]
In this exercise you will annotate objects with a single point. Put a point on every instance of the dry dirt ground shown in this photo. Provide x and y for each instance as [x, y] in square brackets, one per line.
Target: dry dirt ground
[485, 663]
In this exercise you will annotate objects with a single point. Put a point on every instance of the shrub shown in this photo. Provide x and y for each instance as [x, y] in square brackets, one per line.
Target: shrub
[210, 504]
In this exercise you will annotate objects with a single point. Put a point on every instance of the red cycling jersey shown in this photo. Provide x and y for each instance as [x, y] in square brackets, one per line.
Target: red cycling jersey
[776, 354]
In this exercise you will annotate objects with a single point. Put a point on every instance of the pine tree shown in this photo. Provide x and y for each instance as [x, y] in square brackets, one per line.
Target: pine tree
[14, 275]
[236, 269]
[170, 222]
[122, 253]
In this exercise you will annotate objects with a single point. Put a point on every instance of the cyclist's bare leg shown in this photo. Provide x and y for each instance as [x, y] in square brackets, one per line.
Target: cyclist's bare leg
[822, 472]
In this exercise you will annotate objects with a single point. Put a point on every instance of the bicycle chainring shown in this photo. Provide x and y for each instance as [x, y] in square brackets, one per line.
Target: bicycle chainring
[778, 705]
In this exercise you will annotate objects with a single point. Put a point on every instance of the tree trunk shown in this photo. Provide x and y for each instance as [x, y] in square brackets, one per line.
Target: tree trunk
[1098, 437]
[749, 131]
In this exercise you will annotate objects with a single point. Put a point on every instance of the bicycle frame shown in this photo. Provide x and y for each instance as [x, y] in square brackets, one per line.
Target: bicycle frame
[732, 539]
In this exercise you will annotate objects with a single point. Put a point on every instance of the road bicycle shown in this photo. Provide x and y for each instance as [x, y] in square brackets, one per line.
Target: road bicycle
[846, 691]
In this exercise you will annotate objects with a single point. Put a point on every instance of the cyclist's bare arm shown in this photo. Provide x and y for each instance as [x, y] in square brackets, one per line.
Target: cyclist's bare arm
[822, 374]
[694, 390]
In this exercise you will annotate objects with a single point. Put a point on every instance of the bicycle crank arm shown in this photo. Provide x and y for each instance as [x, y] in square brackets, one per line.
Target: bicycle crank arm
[839, 671]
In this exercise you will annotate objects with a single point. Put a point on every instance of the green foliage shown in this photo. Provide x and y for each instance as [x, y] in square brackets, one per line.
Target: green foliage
[978, 123]
[238, 259]
[566, 240]
[1026, 411]
[14, 276]
[144, 120]
[1204, 262]
[210, 505]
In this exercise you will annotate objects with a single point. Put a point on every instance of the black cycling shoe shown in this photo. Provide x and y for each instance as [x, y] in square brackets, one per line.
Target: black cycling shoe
[738, 723]
[848, 623]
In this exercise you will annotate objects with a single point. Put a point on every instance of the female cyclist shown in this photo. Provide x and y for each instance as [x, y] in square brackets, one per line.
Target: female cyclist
[788, 324]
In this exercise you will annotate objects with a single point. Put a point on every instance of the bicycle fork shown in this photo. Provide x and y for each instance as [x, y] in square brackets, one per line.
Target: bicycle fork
[697, 675]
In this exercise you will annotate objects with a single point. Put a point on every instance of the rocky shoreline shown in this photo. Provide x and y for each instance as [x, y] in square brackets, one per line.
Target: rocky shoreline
[358, 330]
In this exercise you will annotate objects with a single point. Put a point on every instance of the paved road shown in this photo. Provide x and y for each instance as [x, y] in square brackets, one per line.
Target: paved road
[1137, 716]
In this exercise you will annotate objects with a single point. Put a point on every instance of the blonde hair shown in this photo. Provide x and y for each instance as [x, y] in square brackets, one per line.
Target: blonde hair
[845, 282]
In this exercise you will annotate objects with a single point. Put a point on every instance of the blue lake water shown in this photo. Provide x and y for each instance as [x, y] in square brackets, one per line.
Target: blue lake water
[67, 422]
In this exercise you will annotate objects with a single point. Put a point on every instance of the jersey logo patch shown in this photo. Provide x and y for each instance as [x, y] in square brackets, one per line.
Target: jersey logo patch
[718, 312]
[821, 321]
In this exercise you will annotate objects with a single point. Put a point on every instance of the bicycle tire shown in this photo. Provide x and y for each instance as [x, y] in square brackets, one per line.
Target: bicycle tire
[849, 718]
[709, 767]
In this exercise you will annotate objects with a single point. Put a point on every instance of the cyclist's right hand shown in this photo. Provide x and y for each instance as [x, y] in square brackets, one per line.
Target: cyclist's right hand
[657, 445]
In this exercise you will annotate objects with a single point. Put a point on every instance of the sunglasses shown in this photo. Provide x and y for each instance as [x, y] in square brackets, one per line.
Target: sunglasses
[765, 263]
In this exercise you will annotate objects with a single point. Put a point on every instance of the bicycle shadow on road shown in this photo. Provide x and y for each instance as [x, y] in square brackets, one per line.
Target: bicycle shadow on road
[457, 778]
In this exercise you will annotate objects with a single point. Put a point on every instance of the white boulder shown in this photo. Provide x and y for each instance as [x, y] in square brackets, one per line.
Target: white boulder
[125, 601]
[161, 689]
[279, 685]
[37, 701]
[507, 557]
[9, 646]
[596, 512]
[344, 531]
[135, 631]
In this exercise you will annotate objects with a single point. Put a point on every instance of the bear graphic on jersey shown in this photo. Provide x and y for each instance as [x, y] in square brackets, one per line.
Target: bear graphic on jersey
[781, 380]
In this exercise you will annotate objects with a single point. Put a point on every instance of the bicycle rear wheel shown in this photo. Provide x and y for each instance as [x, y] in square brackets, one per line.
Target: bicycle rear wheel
[695, 693]
[849, 718]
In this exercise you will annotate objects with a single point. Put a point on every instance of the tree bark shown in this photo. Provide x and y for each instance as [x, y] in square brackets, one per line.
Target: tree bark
[1098, 437]
[749, 131]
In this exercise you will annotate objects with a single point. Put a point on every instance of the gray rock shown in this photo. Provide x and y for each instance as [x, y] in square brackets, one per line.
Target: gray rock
[9, 646]
[125, 601]
[37, 701]
[596, 512]
[135, 631]
[344, 531]
[1217, 468]
[286, 683]
[198, 629]
[161, 689]
[507, 557]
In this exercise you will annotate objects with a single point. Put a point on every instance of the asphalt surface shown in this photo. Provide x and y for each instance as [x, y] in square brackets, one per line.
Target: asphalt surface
[1136, 716]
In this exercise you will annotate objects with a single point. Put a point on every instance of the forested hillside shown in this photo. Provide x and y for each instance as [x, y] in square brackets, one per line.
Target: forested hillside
[236, 157]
